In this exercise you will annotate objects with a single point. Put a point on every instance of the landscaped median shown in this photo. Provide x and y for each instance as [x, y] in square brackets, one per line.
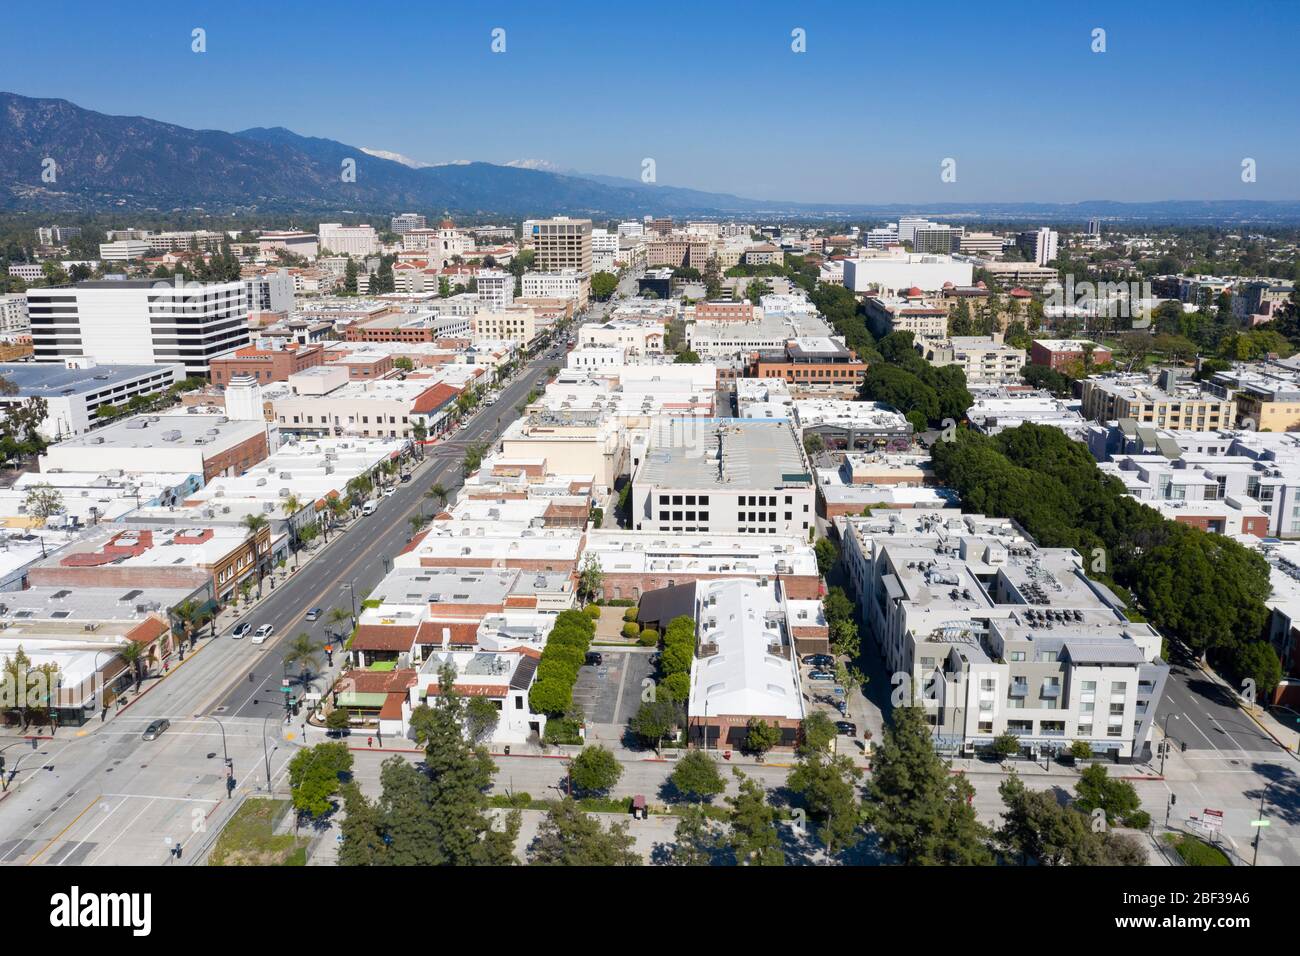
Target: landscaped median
[249, 838]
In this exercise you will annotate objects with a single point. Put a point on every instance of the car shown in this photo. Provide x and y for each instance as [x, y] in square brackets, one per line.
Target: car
[241, 630]
[405, 478]
[819, 660]
[155, 729]
[846, 727]
[821, 675]
[262, 633]
[369, 507]
[594, 659]
[314, 614]
[389, 491]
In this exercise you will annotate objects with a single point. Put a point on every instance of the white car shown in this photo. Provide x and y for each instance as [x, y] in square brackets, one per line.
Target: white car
[262, 633]
[390, 490]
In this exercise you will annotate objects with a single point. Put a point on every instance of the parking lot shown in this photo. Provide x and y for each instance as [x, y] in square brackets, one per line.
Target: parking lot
[609, 694]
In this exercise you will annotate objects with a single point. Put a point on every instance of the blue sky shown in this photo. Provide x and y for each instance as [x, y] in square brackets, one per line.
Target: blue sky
[714, 93]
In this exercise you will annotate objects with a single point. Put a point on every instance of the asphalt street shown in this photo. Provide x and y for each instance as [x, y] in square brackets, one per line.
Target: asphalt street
[102, 795]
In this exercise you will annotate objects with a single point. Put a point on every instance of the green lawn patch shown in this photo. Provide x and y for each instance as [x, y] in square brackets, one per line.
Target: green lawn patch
[248, 840]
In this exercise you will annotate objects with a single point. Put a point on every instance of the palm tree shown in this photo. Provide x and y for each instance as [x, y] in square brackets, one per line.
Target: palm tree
[132, 653]
[337, 616]
[419, 431]
[254, 524]
[306, 653]
[439, 494]
[416, 522]
[189, 616]
[290, 507]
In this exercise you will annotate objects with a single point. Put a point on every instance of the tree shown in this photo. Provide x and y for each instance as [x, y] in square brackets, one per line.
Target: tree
[813, 443]
[314, 776]
[590, 576]
[338, 720]
[687, 357]
[481, 718]
[43, 500]
[1257, 661]
[438, 493]
[1097, 789]
[760, 736]
[752, 835]
[656, 719]
[253, 525]
[594, 770]
[818, 732]
[695, 840]
[921, 815]
[473, 457]
[304, 652]
[569, 837]
[1036, 828]
[827, 555]
[1006, 745]
[603, 285]
[828, 786]
[696, 776]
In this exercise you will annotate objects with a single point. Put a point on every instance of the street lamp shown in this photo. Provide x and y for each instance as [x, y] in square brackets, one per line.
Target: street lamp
[230, 767]
[352, 590]
[1164, 744]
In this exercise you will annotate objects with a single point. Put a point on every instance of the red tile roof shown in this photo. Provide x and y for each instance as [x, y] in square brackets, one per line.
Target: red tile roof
[380, 637]
[432, 399]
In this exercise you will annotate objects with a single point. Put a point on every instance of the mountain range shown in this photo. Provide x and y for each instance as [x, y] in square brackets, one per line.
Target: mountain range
[103, 162]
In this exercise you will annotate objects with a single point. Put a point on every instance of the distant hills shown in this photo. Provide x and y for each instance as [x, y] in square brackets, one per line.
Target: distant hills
[133, 163]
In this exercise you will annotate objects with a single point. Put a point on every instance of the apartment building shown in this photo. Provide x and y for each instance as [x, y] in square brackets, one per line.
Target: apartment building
[994, 635]
[723, 476]
[404, 223]
[985, 359]
[1039, 245]
[514, 324]
[140, 322]
[496, 289]
[1267, 394]
[269, 291]
[13, 315]
[1184, 405]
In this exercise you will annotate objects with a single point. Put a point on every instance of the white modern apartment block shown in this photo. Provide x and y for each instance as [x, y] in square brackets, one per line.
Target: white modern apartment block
[140, 322]
[892, 273]
[13, 314]
[723, 476]
[496, 288]
[355, 241]
[994, 635]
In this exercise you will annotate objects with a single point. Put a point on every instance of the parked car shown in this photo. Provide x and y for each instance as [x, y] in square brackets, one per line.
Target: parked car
[155, 729]
[846, 727]
[241, 630]
[263, 632]
[821, 675]
[314, 614]
[406, 476]
[595, 659]
[389, 491]
[819, 660]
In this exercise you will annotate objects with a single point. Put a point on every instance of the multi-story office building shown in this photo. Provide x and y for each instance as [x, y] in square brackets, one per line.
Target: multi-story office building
[981, 244]
[724, 476]
[407, 221]
[892, 273]
[123, 250]
[560, 243]
[566, 284]
[56, 235]
[1040, 245]
[514, 324]
[73, 392]
[995, 635]
[936, 239]
[812, 360]
[1060, 354]
[140, 322]
[355, 241]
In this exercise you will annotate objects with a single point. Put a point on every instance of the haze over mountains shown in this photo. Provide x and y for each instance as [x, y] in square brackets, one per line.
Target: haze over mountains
[108, 162]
